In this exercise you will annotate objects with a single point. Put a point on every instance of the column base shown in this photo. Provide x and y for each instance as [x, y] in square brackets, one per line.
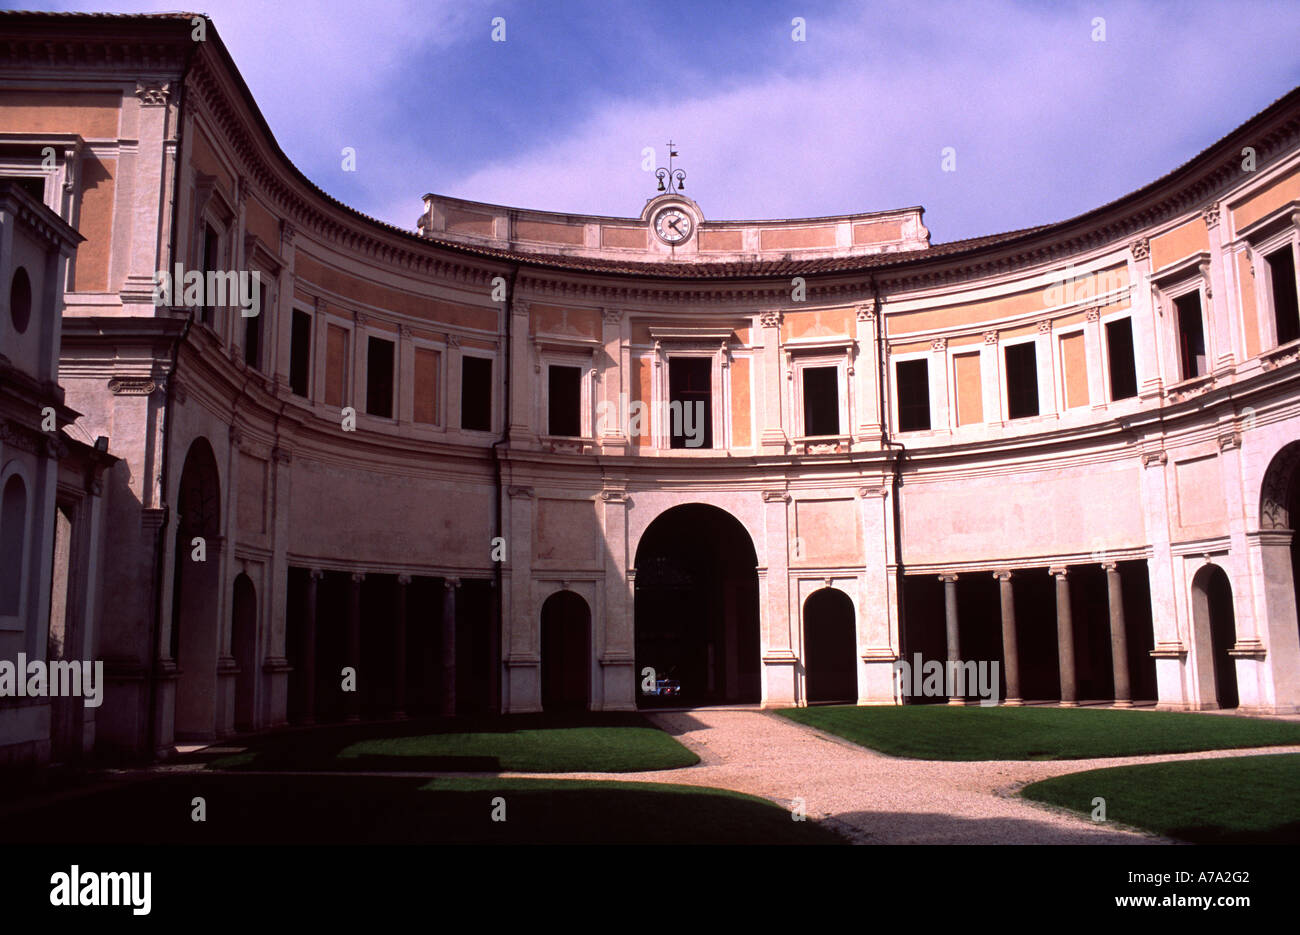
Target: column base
[957, 701]
[1122, 704]
[1013, 703]
[1068, 704]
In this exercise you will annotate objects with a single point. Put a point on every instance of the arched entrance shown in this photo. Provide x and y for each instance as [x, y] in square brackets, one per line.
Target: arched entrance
[1216, 631]
[566, 653]
[243, 645]
[195, 592]
[696, 610]
[830, 647]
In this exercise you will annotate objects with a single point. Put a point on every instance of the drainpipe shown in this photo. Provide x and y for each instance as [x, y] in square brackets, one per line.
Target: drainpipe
[897, 465]
[498, 520]
[160, 562]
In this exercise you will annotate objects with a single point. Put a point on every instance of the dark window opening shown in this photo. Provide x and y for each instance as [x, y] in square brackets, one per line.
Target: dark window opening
[913, 395]
[1119, 349]
[379, 378]
[211, 251]
[821, 401]
[564, 395]
[690, 402]
[476, 394]
[1022, 380]
[34, 185]
[1286, 309]
[1191, 335]
[300, 353]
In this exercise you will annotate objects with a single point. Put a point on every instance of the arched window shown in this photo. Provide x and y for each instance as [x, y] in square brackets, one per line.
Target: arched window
[13, 535]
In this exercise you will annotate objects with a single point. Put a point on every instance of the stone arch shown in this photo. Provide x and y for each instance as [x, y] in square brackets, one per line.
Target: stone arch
[1214, 629]
[696, 614]
[830, 647]
[1278, 492]
[15, 511]
[566, 652]
[194, 633]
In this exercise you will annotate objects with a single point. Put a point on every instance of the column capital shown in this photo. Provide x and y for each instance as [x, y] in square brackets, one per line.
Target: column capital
[358, 577]
[1002, 574]
[451, 583]
[316, 574]
[1110, 564]
[1058, 571]
[403, 580]
[947, 577]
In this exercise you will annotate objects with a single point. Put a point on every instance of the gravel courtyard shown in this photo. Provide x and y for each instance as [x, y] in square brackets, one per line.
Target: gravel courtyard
[876, 799]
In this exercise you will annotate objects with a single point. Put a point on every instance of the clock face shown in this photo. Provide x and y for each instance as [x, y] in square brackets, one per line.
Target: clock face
[673, 225]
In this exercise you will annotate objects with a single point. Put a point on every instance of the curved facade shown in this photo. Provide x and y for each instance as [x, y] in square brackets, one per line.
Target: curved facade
[762, 461]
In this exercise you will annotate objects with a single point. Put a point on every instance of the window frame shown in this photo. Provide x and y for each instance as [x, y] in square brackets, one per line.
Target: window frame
[1004, 348]
[924, 357]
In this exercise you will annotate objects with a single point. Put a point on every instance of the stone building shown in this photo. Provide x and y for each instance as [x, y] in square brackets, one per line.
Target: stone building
[512, 460]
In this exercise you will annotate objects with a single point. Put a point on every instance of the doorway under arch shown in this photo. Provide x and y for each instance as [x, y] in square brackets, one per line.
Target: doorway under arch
[194, 635]
[696, 610]
[1216, 630]
[830, 647]
[566, 653]
[243, 646]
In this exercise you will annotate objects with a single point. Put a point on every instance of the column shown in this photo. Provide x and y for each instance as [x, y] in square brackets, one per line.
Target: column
[352, 699]
[1010, 648]
[954, 639]
[1118, 637]
[772, 377]
[399, 648]
[1065, 638]
[307, 649]
[448, 706]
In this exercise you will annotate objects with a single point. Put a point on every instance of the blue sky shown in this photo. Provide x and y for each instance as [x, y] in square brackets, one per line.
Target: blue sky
[1046, 122]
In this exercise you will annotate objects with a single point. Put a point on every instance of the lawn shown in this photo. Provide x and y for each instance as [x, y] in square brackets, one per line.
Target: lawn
[941, 732]
[524, 743]
[269, 809]
[1235, 800]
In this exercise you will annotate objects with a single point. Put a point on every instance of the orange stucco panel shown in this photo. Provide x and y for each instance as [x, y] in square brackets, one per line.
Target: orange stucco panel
[794, 238]
[203, 156]
[547, 232]
[623, 237]
[263, 223]
[1269, 198]
[469, 222]
[877, 232]
[336, 364]
[1182, 241]
[1074, 367]
[641, 373]
[425, 380]
[970, 392]
[90, 273]
[1249, 314]
[721, 240]
[93, 114]
[741, 434]
[818, 323]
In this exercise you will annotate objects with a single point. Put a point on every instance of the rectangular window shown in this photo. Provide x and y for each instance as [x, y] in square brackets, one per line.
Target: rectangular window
[426, 385]
[690, 402]
[1191, 335]
[300, 354]
[821, 401]
[253, 332]
[476, 394]
[32, 184]
[379, 378]
[564, 400]
[1123, 366]
[336, 364]
[1022, 380]
[1286, 310]
[210, 260]
[913, 378]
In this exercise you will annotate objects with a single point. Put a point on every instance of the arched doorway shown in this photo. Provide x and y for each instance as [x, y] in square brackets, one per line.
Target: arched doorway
[566, 653]
[830, 647]
[1279, 510]
[696, 610]
[195, 592]
[1216, 631]
[243, 645]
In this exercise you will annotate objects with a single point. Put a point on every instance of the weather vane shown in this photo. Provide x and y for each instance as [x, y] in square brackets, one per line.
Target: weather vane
[675, 178]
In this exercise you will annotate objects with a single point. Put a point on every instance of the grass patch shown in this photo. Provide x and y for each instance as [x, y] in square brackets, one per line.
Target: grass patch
[1236, 800]
[522, 743]
[271, 809]
[940, 732]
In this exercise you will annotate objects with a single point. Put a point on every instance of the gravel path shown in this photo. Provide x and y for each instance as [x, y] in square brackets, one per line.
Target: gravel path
[876, 799]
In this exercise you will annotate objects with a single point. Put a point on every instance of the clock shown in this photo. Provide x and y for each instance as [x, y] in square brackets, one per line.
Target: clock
[673, 225]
